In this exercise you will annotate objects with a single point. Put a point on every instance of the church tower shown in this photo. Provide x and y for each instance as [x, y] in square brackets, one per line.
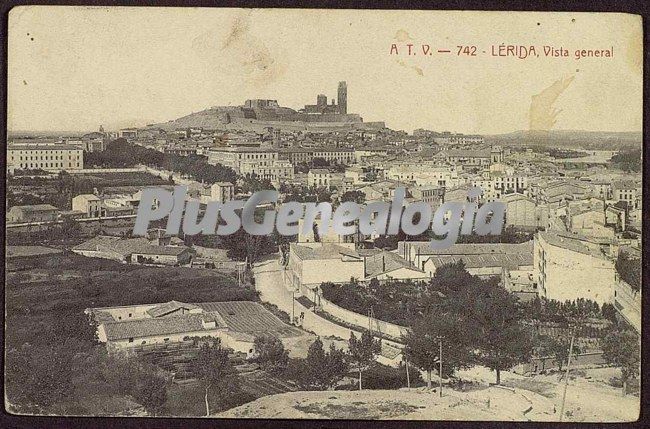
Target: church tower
[343, 97]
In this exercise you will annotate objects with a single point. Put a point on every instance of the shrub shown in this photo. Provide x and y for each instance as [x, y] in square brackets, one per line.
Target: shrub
[380, 376]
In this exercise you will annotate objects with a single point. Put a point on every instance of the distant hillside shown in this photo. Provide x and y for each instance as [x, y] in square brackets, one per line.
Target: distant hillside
[209, 118]
[593, 140]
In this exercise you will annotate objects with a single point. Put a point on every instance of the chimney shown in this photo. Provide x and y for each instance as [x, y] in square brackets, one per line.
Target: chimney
[383, 262]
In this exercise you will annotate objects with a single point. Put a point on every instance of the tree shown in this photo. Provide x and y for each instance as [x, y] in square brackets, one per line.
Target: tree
[214, 369]
[501, 339]
[356, 196]
[316, 361]
[242, 246]
[363, 350]
[40, 376]
[628, 161]
[609, 312]
[336, 365]
[70, 228]
[559, 348]
[150, 389]
[423, 343]
[629, 269]
[251, 184]
[271, 354]
[320, 162]
[319, 370]
[621, 348]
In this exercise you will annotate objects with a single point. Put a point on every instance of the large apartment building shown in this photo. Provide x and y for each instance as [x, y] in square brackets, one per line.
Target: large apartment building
[334, 155]
[48, 157]
[568, 267]
[253, 161]
[234, 157]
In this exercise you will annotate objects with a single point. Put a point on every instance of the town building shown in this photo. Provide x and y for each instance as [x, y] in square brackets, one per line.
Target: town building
[135, 250]
[431, 195]
[319, 178]
[482, 265]
[625, 190]
[32, 213]
[523, 212]
[384, 265]
[419, 253]
[235, 323]
[234, 157]
[276, 171]
[590, 222]
[259, 162]
[89, 204]
[310, 264]
[128, 133]
[47, 157]
[568, 267]
[222, 192]
[472, 158]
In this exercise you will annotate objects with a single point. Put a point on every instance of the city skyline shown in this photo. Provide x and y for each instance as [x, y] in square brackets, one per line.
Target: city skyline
[173, 62]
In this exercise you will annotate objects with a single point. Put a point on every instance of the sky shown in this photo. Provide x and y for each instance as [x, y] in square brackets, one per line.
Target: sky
[75, 68]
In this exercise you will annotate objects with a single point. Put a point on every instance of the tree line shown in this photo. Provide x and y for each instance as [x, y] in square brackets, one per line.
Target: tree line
[475, 321]
[122, 154]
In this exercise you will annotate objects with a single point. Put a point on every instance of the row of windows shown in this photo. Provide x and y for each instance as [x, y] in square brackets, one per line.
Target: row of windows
[38, 152]
[144, 342]
[47, 165]
[44, 158]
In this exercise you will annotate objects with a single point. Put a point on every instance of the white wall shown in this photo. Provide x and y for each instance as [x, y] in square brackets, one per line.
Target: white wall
[362, 321]
[569, 275]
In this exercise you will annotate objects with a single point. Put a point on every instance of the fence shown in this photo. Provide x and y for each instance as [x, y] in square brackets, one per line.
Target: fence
[363, 322]
[105, 170]
[584, 360]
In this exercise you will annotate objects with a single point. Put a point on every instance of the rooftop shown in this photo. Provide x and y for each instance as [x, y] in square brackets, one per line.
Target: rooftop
[156, 326]
[423, 248]
[127, 246]
[465, 153]
[573, 242]
[385, 262]
[43, 147]
[242, 319]
[36, 208]
[325, 251]
[510, 261]
[168, 307]
[88, 197]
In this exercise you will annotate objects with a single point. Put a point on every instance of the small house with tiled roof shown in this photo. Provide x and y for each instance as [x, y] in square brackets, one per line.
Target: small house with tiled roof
[235, 323]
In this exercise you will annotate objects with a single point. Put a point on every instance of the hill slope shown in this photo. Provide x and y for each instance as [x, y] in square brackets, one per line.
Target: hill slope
[590, 398]
[414, 404]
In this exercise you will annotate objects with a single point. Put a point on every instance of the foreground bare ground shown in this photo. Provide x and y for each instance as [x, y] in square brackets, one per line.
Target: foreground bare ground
[525, 399]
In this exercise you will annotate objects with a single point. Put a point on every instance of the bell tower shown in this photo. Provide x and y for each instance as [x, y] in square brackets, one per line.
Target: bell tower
[343, 97]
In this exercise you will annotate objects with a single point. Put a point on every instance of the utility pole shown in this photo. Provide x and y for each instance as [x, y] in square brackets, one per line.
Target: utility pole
[293, 307]
[440, 363]
[408, 379]
[568, 368]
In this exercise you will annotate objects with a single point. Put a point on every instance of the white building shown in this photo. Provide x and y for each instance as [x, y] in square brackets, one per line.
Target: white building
[89, 204]
[569, 267]
[319, 178]
[235, 323]
[53, 158]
